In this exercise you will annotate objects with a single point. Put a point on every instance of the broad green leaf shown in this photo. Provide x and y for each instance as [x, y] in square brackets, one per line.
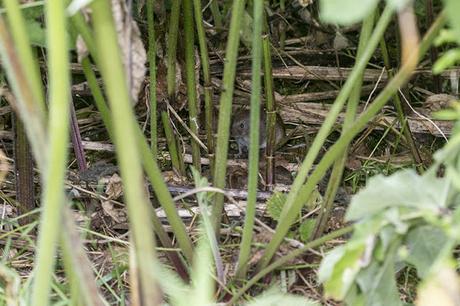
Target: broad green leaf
[340, 267]
[378, 285]
[424, 244]
[346, 12]
[403, 189]
[275, 205]
[37, 34]
[306, 229]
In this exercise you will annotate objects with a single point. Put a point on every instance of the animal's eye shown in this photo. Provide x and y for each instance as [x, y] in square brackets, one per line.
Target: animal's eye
[242, 125]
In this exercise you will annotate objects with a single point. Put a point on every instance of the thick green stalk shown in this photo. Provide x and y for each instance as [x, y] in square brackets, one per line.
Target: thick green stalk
[283, 25]
[253, 172]
[165, 199]
[190, 81]
[322, 135]
[271, 113]
[55, 168]
[225, 110]
[173, 33]
[216, 15]
[128, 155]
[290, 212]
[153, 80]
[350, 115]
[208, 105]
[18, 30]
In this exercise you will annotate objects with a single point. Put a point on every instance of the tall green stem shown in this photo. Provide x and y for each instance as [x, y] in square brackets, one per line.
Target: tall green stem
[271, 113]
[208, 105]
[245, 246]
[128, 155]
[191, 82]
[55, 168]
[225, 110]
[153, 80]
[173, 33]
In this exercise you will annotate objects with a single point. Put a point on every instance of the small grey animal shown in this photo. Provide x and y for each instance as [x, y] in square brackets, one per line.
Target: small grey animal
[240, 131]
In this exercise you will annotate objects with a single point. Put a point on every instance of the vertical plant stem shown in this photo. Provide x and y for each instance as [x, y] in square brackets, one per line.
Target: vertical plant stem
[253, 173]
[153, 78]
[191, 82]
[55, 168]
[289, 211]
[216, 15]
[397, 104]
[283, 24]
[350, 115]
[173, 33]
[271, 113]
[76, 140]
[208, 105]
[225, 110]
[128, 155]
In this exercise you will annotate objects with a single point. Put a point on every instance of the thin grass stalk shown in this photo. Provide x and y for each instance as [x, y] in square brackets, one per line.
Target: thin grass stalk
[208, 105]
[283, 24]
[271, 113]
[287, 212]
[79, 23]
[55, 168]
[97, 95]
[287, 258]
[152, 170]
[225, 110]
[216, 15]
[128, 155]
[340, 145]
[18, 30]
[165, 199]
[26, 103]
[173, 145]
[153, 80]
[350, 115]
[189, 31]
[253, 172]
[397, 104]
